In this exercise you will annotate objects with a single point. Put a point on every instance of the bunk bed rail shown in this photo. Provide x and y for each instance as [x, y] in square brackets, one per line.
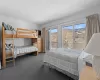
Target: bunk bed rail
[26, 33]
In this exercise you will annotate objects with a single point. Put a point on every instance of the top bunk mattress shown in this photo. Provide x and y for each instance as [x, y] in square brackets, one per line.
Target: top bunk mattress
[14, 32]
[65, 55]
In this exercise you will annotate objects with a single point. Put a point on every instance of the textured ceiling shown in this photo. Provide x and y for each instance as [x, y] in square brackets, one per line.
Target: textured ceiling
[41, 11]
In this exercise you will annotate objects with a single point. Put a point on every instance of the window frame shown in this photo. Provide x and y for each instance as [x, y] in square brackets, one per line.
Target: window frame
[73, 32]
[62, 35]
[50, 37]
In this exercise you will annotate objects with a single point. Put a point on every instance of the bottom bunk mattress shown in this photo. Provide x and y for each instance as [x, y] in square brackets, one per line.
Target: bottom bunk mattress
[65, 61]
[21, 50]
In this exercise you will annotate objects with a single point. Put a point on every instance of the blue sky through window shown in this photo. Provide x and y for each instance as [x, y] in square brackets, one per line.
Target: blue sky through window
[79, 26]
[53, 30]
[68, 27]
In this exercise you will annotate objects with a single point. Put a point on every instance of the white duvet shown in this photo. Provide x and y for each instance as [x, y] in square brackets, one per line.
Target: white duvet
[69, 60]
[63, 59]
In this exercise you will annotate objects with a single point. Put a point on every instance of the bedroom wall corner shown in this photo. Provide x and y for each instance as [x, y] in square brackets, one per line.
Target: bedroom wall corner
[17, 23]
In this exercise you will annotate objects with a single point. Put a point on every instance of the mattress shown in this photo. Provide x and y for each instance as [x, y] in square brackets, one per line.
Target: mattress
[55, 61]
[21, 50]
[64, 60]
[62, 65]
[14, 32]
[25, 49]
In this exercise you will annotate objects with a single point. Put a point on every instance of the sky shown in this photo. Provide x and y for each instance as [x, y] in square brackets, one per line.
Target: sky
[79, 26]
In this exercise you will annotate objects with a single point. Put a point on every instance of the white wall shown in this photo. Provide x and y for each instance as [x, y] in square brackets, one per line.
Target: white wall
[79, 17]
[17, 41]
[18, 23]
[20, 41]
[76, 17]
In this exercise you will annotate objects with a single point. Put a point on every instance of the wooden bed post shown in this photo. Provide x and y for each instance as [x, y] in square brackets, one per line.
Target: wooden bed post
[3, 48]
[36, 52]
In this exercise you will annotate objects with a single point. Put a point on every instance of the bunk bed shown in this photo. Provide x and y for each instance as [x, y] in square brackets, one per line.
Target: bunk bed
[16, 51]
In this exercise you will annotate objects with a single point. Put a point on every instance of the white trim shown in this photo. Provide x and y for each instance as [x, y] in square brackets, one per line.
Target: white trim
[59, 27]
[50, 37]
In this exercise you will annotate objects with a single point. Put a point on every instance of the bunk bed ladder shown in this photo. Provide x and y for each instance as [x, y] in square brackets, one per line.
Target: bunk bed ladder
[12, 52]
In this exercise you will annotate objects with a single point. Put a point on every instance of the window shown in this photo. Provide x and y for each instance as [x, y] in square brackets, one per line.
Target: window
[67, 36]
[53, 38]
[79, 36]
[74, 36]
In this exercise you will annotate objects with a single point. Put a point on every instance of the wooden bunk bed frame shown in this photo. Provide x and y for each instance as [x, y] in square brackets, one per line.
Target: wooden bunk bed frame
[20, 33]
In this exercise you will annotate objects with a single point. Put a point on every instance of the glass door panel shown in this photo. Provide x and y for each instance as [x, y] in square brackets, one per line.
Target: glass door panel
[67, 36]
[79, 36]
[53, 38]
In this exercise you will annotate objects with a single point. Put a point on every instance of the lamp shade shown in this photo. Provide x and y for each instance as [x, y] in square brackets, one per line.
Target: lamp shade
[93, 47]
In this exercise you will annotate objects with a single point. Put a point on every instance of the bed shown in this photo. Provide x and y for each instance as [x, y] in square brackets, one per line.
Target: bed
[22, 50]
[64, 60]
[9, 32]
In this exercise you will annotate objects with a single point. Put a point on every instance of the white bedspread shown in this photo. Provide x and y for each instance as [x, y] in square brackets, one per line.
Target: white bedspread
[66, 60]
[21, 50]
[71, 61]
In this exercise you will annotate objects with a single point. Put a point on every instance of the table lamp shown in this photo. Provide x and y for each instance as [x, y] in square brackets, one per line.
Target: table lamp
[93, 47]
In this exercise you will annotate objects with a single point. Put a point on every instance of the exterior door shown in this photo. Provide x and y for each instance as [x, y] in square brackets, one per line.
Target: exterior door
[53, 38]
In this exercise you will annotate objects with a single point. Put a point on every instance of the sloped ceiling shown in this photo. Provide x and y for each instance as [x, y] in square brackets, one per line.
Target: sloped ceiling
[42, 11]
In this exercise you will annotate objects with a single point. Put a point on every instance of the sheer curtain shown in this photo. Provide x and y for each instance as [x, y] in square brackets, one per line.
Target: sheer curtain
[92, 26]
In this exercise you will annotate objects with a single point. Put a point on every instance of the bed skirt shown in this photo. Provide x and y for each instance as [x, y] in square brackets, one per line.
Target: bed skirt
[60, 70]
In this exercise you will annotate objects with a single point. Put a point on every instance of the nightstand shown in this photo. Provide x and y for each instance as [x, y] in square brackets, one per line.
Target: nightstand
[87, 74]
